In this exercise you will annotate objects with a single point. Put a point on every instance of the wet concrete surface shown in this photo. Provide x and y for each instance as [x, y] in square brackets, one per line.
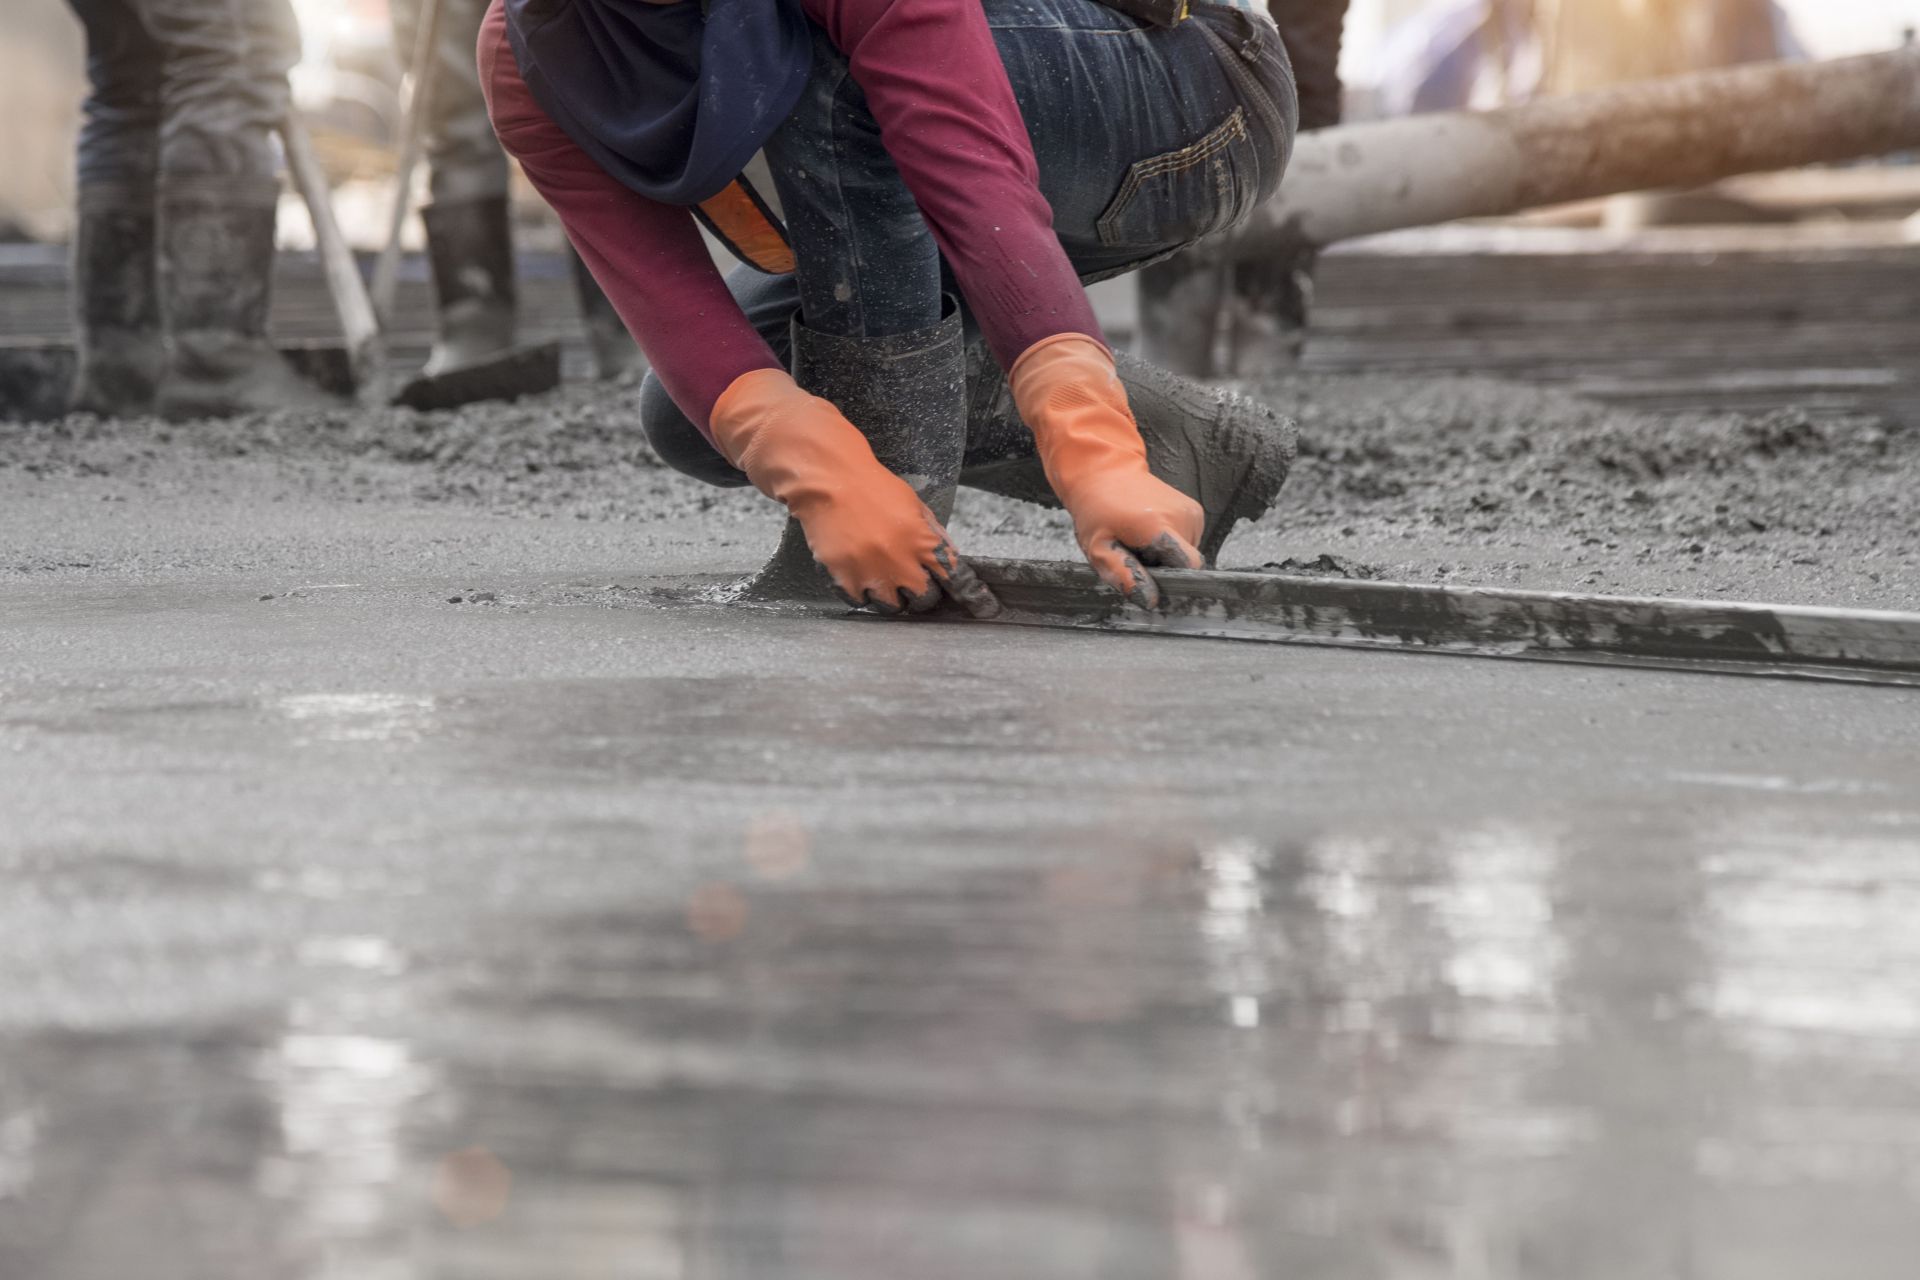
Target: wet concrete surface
[347, 931]
[353, 932]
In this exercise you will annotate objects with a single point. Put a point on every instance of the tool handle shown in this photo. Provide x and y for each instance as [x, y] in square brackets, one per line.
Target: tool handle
[349, 292]
[413, 126]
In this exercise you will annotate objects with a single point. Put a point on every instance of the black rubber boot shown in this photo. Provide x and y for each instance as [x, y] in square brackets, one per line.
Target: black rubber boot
[470, 245]
[1181, 304]
[908, 395]
[216, 285]
[116, 301]
[615, 353]
[1229, 453]
[1267, 315]
[1238, 320]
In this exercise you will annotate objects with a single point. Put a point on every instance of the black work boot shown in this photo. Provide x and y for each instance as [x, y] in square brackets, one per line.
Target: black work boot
[470, 245]
[116, 301]
[1267, 315]
[216, 284]
[908, 395]
[1227, 452]
[1181, 305]
[1227, 320]
[615, 353]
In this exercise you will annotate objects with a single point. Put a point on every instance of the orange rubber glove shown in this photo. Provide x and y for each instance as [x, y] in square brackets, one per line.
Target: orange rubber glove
[1124, 516]
[865, 526]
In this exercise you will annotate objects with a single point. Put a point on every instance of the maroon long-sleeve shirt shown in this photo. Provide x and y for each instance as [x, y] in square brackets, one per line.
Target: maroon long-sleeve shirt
[947, 115]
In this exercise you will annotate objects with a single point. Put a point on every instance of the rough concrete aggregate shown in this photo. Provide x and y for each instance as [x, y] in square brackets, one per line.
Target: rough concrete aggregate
[1482, 481]
[1465, 480]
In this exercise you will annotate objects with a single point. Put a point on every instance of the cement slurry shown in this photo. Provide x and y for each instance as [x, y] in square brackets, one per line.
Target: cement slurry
[350, 931]
[1465, 480]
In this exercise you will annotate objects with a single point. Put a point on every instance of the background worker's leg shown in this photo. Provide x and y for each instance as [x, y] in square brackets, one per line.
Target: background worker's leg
[115, 291]
[224, 67]
[464, 158]
[120, 121]
[1246, 318]
[224, 94]
[468, 219]
[1181, 304]
[1313, 31]
[469, 236]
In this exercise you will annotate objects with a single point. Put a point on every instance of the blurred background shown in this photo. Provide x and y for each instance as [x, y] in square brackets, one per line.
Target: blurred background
[1400, 55]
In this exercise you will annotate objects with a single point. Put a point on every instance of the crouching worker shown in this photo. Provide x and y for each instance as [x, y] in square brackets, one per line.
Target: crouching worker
[1004, 151]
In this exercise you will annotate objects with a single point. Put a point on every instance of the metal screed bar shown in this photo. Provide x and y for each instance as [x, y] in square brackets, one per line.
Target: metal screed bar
[1858, 646]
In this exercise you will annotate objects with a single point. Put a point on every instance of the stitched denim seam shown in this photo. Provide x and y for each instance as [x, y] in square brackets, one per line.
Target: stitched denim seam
[1234, 129]
[839, 115]
[1243, 68]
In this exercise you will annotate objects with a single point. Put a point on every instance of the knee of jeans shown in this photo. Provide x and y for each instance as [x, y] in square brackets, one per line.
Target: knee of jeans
[678, 442]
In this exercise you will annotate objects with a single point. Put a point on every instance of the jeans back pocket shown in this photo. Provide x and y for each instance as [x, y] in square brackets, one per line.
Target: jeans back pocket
[1181, 196]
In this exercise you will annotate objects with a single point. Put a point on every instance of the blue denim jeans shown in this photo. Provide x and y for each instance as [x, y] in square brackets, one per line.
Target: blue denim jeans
[1109, 104]
[183, 90]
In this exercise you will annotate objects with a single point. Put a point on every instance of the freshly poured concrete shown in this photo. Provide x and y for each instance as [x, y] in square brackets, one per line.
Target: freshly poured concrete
[352, 932]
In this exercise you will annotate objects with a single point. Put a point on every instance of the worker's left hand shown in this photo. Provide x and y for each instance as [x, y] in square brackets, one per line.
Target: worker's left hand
[1124, 516]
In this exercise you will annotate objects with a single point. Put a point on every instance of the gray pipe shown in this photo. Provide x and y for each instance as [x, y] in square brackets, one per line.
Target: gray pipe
[1363, 179]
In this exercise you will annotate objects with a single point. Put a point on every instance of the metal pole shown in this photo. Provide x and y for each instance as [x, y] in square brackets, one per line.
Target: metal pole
[1689, 130]
[1854, 645]
[365, 351]
[413, 124]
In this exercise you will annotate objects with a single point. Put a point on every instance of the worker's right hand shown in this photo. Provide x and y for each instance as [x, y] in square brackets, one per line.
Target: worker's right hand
[866, 526]
[1126, 518]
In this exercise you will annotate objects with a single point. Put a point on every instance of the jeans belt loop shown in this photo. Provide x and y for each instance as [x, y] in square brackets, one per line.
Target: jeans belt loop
[1249, 47]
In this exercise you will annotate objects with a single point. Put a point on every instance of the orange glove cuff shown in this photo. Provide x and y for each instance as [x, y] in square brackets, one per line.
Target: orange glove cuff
[1070, 396]
[1125, 518]
[1073, 340]
[751, 402]
[795, 447]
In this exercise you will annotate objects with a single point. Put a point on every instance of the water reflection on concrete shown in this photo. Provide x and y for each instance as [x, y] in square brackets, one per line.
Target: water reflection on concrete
[1812, 946]
[19, 1133]
[1503, 1051]
[345, 1106]
[358, 717]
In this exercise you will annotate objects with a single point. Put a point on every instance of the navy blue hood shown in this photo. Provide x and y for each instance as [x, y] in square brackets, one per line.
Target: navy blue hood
[672, 100]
